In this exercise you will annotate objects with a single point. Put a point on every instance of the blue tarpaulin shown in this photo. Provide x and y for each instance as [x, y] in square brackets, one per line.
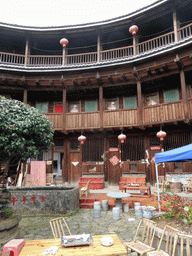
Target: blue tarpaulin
[181, 154]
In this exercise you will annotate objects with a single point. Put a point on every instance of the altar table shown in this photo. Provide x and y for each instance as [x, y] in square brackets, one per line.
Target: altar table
[36, 247]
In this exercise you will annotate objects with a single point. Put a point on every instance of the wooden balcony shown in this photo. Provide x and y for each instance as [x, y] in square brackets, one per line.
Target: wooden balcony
[91, 58]
[121, 117]
[166, 112]
[83, 120]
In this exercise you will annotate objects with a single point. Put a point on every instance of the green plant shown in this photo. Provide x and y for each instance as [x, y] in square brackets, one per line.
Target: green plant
[178, 207]
[24, 133]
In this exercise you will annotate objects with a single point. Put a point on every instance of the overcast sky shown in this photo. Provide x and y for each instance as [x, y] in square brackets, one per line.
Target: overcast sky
[61, 12]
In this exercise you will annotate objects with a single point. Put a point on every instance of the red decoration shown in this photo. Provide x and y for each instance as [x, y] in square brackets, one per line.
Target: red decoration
[24, 200]
[161, 135]
[13, 200]
[43, 199]
[122, 137]
[82, 139]
[33, 199]
[133, 30]
[64, 42]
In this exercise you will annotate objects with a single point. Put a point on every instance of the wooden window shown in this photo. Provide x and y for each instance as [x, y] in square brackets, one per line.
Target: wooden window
[74, 144]
[42, 107]
[93, 150]
[90, 106]
[112, 104]
[74, 107]
[130, 102]
[58, 106]
[152, 99]
[171, 95]
[133, 149]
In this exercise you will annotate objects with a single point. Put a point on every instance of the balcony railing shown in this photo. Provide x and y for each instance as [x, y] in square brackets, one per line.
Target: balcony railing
[171, 111]
[91, 58]
[166, 112]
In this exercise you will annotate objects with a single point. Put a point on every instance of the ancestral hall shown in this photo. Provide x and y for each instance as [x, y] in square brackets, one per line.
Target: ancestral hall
[130, 75]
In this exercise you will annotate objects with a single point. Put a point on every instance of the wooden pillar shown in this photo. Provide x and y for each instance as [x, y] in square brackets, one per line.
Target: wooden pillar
[25, 96]
[135, 41]
[184, 93]
[26, 52]
[64, 109]
[64, 52]
[98, 47]
[101, 105]
[175, 26]
[139, 98]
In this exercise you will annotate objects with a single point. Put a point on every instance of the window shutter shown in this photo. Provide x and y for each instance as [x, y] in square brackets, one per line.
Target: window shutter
[42, 107]
[90, 106]
[130, 102]
[171, 96]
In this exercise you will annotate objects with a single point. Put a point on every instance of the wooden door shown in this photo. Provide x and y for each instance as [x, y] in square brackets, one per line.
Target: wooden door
[75, 167]
[114, 170]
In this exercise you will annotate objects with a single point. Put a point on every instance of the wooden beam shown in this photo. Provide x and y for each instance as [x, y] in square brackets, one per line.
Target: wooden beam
[88, 82]
[75, 82]
[165, 68]
[158, 72]
[110, 79]
[37, 82]
[99, 80]
[148, 72]
[179, 63]
[124, 77]
[135, 73]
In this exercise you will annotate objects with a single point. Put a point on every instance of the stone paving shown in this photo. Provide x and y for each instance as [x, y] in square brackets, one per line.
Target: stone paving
[83, 221]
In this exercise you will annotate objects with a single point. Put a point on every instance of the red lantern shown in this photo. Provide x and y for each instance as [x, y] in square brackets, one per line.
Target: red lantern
[82, 139]
[64, 42]
[161, 135]
[122, 137]
[133, 30]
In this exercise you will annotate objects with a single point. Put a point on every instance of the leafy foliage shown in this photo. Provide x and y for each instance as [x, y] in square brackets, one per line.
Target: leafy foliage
[24, 132]
[178, 207]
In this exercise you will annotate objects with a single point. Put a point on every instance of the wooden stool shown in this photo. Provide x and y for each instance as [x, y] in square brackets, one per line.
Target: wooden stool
[13, 246]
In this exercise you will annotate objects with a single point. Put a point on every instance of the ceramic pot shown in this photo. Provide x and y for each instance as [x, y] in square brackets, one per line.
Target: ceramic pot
[148, 211]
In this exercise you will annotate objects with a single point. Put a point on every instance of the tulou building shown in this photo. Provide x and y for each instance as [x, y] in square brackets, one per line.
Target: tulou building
[108, 88]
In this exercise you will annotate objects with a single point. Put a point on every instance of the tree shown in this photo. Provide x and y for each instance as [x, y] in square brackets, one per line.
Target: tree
[24, 132]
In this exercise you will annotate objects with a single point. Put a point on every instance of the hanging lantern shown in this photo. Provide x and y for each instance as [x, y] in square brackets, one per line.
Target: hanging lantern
[161, 135]
[122, 137]
[133, 30]
[82, 139]
[64, 42]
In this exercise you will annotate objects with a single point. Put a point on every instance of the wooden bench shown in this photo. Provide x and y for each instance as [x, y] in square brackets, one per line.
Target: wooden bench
[96, 182]
[132, 180]
[139, 188]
